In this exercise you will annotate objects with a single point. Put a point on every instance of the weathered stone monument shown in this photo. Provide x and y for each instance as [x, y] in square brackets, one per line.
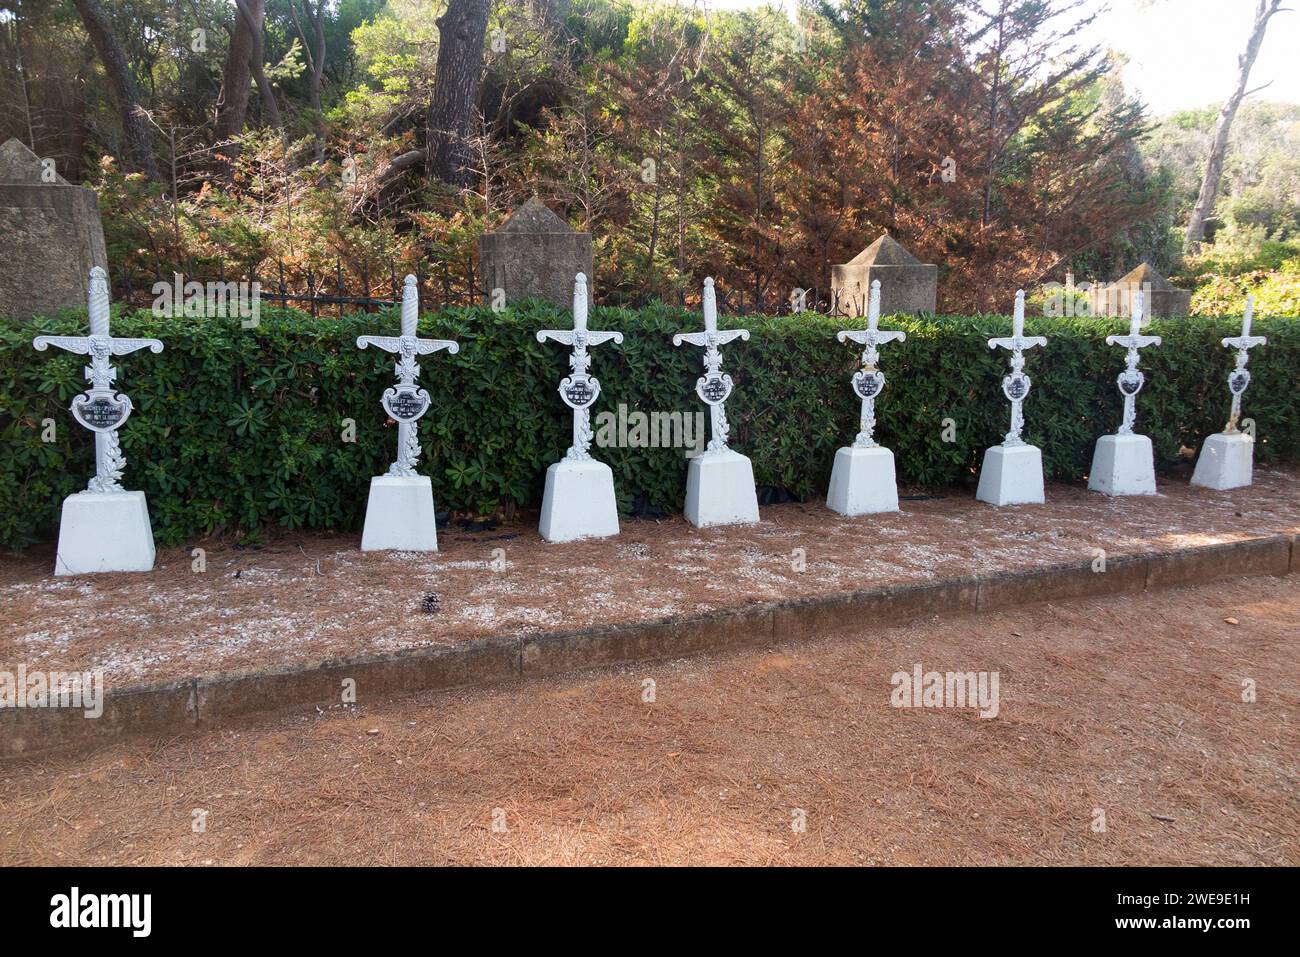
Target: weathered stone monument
[906, 283]
[719, 481]
[105, 528]
[399, 512]
[863, 480]
[579, 500]
[1123, 464]
[533, 254]
[1159, 298]
[53, 236]
[1227, 458]
[1012, 473]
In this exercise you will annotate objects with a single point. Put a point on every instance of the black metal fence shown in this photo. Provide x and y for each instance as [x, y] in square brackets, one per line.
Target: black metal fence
[369, 287]
[319, 291]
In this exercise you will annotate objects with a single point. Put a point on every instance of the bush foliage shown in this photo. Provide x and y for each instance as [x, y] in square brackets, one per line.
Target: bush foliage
[236, 430]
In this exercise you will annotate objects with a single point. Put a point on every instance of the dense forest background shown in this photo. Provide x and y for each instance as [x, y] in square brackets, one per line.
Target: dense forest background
[359, 136]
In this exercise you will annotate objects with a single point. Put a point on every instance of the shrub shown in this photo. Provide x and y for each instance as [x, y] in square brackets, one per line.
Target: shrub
[238, 430]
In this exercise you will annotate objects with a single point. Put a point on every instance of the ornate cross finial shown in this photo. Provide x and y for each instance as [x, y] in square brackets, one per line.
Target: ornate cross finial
[713, 387]
[579, 390]
[100, 408]
[1131, 380]
[868, 382]
[1016, 385]
[1239, 377]
[405, 402]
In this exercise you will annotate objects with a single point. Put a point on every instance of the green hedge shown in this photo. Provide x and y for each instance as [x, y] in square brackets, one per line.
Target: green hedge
[236, 430]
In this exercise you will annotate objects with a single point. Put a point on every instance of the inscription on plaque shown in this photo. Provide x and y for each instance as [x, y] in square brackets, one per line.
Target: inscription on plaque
[1238, 381]
[405, 403]
[579, 393]
[406, 406]
[1016, 388]
[100, 414]
[714, 390]
[1130, 383]
[868, 385]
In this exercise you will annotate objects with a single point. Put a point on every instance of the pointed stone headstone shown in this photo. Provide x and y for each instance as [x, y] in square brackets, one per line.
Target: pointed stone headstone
[1160, 299]
[534, 253]
[53, 236]
[906, 283]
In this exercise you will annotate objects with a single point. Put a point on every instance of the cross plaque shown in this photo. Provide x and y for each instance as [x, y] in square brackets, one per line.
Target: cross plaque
[1131, 380]
[1239, 377]
[1016, 385]
[405, 402]
[714, 386]
[868, 382]
[579, 390]
[101, 408]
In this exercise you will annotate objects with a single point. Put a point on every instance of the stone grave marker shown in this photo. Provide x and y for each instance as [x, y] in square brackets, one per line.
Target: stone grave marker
[1159, 297]
[1123, 464]
[533, 254]
[906, 283]
[862, 478]
[53, 236]
[579, 500]
[1227, 458]
[105, 528]
[400, 512]
[1012, 473]
[719, 481]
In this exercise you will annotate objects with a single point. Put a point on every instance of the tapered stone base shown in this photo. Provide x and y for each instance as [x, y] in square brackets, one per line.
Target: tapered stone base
[1011, 475]
[863, 482]
[1227, 461]
[579, 502]
[1123, 465]
[104, 532]
[720, 490]
[399, 515]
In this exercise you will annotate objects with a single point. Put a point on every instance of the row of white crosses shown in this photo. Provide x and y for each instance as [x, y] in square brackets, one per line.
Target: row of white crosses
[106, 528]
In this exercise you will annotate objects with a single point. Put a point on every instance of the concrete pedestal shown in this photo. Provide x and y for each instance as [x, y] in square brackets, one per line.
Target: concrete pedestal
[1011, 475]
[1123, 465]
[720, 490]
[579, 502]
[399, 515]
[862, 481]
[104, 532]
[1227, 461]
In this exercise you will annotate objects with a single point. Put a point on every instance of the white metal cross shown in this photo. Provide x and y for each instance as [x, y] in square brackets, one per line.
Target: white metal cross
[1016, 385]
[1131, 380]
[713, 387]
[868, 382]
[579, 390]
[1239, 377]
[100, 408]
[405, 402]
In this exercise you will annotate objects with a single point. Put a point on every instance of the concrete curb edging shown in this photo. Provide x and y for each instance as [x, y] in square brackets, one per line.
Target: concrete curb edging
[177, 707]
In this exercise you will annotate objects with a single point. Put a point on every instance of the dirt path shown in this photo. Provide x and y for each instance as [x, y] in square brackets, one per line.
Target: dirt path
[1132, 706]
[306, 598]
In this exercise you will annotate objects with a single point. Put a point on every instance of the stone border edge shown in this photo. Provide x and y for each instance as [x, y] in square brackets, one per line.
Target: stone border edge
[173, 708]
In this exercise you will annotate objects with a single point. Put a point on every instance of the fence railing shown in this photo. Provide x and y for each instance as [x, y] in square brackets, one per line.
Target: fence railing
[369, 287]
